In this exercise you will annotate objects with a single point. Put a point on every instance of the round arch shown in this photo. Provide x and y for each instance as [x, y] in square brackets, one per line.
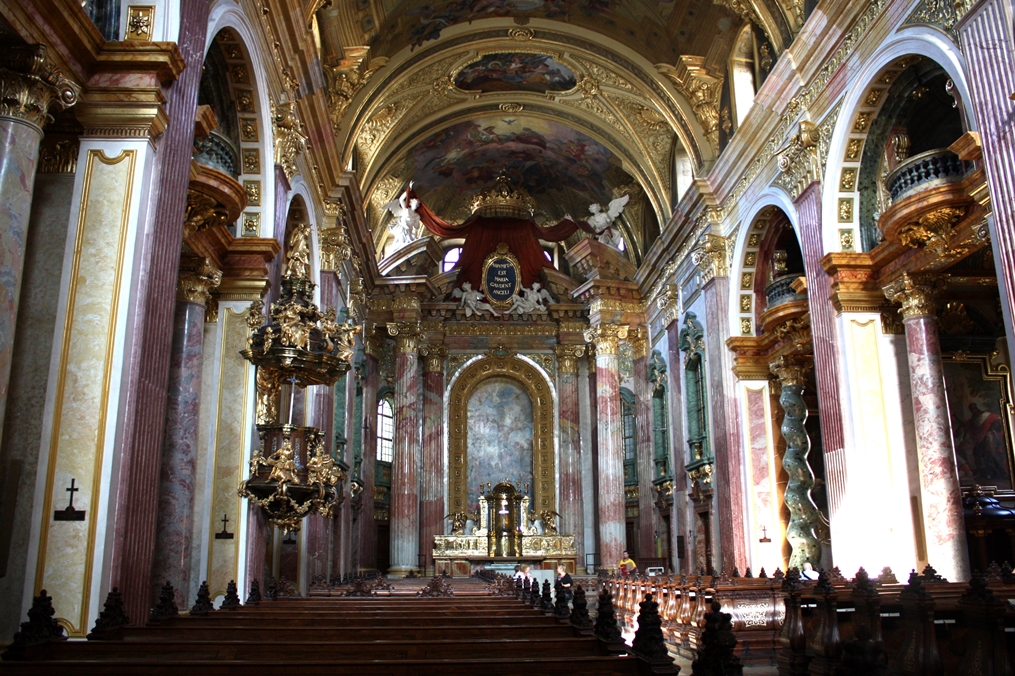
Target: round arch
[300, 189]
[256, 138]
[860, 105]
[745, 256]
[536, 386]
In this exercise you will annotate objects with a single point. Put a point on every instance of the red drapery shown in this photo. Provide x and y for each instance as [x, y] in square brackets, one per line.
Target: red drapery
[483, 234]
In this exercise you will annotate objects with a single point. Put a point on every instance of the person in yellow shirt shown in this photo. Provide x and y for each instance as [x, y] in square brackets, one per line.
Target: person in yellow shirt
[626, 565]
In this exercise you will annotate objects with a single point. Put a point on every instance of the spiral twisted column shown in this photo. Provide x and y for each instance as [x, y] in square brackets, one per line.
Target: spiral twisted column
[612, 533]
[432, 483]
[804, 517]
[572, 505]
[405, 463]
[941, 497]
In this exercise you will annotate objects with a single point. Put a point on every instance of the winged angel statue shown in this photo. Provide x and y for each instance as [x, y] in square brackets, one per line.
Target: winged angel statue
[602, 221]
[405, 223]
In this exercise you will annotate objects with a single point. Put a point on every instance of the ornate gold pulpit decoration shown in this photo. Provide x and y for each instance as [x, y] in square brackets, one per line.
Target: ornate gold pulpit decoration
[297, 345]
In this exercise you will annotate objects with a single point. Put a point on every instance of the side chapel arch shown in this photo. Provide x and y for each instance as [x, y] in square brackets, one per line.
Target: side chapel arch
[536, 386]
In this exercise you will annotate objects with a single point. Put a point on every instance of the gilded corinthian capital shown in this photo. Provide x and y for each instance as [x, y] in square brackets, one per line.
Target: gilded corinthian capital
[406, 335]
[916, 292]
[568, 356]
[433, 357]
[198, 277]
[606, 337]
[31, 86]
[711, 257]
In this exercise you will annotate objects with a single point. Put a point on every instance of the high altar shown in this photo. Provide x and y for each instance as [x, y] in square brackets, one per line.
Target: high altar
[505, 532]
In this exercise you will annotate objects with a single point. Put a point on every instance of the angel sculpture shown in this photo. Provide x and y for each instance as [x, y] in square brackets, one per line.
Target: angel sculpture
[602, 221]
[472, 301]
[531, 301]
[405, 223]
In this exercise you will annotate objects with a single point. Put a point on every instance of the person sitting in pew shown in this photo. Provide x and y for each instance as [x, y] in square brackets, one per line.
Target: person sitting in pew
[626, 565]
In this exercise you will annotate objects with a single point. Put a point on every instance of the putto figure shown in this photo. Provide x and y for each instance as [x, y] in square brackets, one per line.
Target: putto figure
[530, 301]
[602, 221]
[472, 301]
[405, 222]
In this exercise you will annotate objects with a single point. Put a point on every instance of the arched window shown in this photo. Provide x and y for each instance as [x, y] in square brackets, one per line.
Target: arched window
[742, 74]
[451, 257]
[385, 430]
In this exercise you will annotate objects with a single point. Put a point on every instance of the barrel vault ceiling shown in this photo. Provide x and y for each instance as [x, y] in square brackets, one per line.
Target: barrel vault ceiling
[577, 101]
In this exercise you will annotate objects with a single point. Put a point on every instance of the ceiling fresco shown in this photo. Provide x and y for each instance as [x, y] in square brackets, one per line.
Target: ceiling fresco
[516, 72]
[577, 101]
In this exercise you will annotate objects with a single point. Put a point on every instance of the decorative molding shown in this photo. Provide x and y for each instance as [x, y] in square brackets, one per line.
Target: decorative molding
[59, 156]
[638, 340]
[31, 85]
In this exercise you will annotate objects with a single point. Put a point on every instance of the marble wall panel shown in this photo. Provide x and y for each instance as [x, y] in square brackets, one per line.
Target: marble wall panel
[83, 418]
[232, 448]
[763, 481]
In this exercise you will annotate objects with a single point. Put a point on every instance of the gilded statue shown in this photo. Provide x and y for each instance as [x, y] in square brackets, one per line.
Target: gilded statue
[267, 396]
[458, 520]
[298, 256]
[293, 331]
[255, 319]
[283, 466]
[549, 519]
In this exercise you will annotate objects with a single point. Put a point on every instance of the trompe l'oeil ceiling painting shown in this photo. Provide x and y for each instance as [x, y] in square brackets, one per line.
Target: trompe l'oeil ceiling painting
[516, 72]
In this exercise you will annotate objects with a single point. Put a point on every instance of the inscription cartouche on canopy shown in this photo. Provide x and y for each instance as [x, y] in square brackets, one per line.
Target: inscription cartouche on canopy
[502, 276]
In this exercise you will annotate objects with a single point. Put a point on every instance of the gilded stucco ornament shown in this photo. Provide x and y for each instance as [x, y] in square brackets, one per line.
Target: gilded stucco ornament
[31, 87]
[701, 89]
[668, 302]
[202, 212]
[290, 137]
[347, 79]
[406, 335]
[335, 247]
[933, 230]
[916, 292]
[711, 257]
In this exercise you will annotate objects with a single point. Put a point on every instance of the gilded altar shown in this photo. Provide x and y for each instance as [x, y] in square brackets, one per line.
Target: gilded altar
[504, 531]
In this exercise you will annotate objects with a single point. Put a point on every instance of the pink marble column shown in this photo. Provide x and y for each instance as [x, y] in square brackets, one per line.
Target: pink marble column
[29, 93]
[941, 497]
[987, 43]
[405, 464]
[612, 535]
[171, 560]
[826, 351]
[432, 482]
[572, 502]
[647, 523]
[367, 527]
[135, 520]
[727, 443]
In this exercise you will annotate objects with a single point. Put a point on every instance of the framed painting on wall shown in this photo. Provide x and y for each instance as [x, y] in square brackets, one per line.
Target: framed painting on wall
[980, 403]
